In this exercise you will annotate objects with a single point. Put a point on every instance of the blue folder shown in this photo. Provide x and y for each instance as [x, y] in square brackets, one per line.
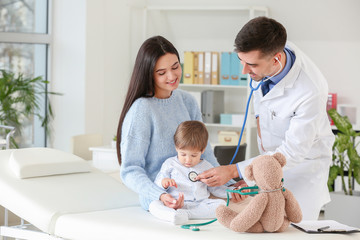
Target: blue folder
[225, 68]
[235, 69]
[236, 76]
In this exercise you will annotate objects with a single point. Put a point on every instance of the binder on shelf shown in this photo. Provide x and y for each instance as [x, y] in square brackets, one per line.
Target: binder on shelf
[188, 67]
[201, 68]
[207, 68]
[225, 68]
[215, 68]
[331, 103]
[212, 105]
[182, 73]
[243, 77]
[234, 69]
[196, 68]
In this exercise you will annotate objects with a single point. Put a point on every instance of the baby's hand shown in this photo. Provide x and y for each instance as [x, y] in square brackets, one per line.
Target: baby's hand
[167, 182]
[171, 202]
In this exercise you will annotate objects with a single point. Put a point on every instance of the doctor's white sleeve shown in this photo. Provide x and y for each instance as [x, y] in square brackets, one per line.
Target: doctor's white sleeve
[302, 135]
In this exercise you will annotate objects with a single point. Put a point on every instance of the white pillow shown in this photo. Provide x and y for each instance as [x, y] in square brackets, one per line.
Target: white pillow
[36, 162]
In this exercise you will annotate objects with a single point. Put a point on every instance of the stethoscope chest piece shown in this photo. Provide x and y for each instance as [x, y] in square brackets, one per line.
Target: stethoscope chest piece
[195, 229]
[192, 176]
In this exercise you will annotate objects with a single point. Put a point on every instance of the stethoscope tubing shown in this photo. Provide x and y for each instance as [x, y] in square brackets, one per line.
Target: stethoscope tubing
[245, 117]
[194, 226]
[188, 226]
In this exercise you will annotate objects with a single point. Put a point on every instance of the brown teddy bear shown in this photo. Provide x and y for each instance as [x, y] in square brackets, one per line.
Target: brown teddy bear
[272, 209]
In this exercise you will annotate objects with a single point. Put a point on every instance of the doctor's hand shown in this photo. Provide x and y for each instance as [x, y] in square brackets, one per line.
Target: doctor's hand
[171, 202]
[218, 176]
[236, 197]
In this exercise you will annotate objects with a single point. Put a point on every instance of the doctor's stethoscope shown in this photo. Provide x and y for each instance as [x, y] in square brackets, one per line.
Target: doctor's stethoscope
[192, 175]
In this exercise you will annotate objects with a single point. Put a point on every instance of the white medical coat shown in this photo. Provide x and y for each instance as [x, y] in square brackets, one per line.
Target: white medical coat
[293, 121]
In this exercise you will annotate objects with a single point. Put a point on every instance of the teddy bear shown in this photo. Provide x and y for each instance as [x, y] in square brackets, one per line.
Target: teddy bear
[273, 208]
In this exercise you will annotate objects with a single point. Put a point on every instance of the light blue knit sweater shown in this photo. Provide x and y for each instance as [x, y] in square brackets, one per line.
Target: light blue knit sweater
[147, 140]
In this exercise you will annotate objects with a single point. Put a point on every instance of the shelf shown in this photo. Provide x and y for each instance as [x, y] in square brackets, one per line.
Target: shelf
[209, 86]
[356, 128]
[222, 125]
[205, 8]
[218, 125]
[189, 27]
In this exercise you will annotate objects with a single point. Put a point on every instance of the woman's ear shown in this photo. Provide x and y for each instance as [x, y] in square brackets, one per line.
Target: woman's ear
[249, 172]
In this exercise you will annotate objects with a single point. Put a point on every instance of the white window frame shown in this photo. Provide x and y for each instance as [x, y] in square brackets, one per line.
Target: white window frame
[36, 38]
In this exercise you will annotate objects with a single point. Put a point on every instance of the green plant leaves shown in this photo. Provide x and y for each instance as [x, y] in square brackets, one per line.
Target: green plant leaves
[344, 145]
[333, 173]
[20, 99]
[341, 122]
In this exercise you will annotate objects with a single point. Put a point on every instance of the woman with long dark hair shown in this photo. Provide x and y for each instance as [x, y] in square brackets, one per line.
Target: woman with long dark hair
[153, 109]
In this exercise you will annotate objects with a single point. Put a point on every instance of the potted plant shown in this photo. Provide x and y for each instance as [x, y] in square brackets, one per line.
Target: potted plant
[20, 99]
[345, 161]
[113, 142]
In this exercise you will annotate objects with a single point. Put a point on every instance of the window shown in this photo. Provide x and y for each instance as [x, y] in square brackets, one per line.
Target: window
[24, 48]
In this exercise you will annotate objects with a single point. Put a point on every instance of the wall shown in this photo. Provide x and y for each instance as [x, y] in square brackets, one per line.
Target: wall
[68, 71]
[92, 48]
[90, 67]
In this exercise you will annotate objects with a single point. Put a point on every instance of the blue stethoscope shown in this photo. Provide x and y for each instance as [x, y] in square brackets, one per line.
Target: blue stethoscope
[195, 226]
[249, 190]
[248, 103]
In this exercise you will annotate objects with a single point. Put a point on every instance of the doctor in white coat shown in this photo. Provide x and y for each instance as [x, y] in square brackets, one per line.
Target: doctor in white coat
[290, 108]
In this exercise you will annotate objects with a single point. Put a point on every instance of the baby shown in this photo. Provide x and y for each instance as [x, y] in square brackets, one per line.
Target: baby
[177, 176]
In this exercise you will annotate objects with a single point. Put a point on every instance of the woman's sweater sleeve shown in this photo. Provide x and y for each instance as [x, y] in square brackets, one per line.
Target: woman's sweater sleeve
[135, 142]
[133, 172]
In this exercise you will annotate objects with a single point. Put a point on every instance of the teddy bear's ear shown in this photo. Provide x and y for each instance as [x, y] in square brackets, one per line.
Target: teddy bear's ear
[249, 172]
[281, 158]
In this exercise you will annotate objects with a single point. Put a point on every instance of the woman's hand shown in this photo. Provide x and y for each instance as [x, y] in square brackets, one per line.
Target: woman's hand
[219, 175]
[171, 202]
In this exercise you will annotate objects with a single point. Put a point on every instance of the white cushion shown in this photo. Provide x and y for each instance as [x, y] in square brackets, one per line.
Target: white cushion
[37, 162]
[136, 223]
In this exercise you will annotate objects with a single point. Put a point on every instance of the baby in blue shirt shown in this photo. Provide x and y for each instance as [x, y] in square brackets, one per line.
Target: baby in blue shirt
[177, 177]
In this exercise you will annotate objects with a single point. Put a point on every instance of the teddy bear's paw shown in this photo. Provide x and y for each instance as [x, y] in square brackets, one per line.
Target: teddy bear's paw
[256, 228]
[225, 215]
[284, 226]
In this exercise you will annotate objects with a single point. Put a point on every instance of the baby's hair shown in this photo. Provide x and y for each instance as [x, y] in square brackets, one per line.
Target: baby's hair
[191, 134]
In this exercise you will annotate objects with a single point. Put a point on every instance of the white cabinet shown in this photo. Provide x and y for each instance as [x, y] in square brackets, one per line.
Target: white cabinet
[105, 158]
[192, 27]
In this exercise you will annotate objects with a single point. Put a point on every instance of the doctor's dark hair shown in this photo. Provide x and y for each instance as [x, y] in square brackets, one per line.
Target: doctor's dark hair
[142, 79]
[261, 33]
[191, 135]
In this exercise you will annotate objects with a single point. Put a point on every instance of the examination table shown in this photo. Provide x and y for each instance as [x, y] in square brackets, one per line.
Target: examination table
[87, 204]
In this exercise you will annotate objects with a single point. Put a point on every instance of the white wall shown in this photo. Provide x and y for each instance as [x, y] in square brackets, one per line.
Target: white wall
[68, 72]
[90, 67]
[92, 64]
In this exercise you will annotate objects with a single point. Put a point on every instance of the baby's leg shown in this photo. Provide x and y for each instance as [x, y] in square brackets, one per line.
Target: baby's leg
[204, 209]
[159, 210]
